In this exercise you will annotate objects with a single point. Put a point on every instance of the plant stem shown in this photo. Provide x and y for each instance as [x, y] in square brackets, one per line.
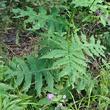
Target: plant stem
[1, 102]
[91, 5]
[87, 13]
[71, 20]
[88, 102]
[69, 31]
[74, 101]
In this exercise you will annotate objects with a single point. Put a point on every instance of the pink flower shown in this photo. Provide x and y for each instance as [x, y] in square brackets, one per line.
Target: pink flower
[50, 96]
[64, 96]
[108, 53]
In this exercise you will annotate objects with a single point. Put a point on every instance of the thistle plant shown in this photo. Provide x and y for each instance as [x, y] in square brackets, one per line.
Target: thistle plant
[64, 48]
[58, 75]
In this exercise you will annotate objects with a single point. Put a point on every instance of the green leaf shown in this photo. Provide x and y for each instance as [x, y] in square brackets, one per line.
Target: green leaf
[19, 79]
[5, 87]
[64, 72]
[55, 54]
[71, 56]
[44, 101]
[103, 21]
[27, 83]
[38, 82]
[41, 19]
[92, 40]
[32, 62]
[49, 80]
[93, 51]
[61, 61]
[81, 85]
[42, 11]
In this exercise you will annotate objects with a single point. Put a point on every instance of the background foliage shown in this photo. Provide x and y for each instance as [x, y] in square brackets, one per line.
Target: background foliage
[70, 59]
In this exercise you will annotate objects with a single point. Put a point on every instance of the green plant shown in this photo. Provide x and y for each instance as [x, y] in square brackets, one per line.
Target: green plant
[104, 87]
[21, 70]
[68, 50]
[12, 101]
[63, 60]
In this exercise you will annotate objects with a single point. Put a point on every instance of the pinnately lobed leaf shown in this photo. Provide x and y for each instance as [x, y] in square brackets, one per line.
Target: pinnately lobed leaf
[72, 58]
[41, 19]
[25, 70]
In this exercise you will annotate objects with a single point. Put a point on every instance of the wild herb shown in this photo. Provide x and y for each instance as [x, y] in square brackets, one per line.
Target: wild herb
[62, 70]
